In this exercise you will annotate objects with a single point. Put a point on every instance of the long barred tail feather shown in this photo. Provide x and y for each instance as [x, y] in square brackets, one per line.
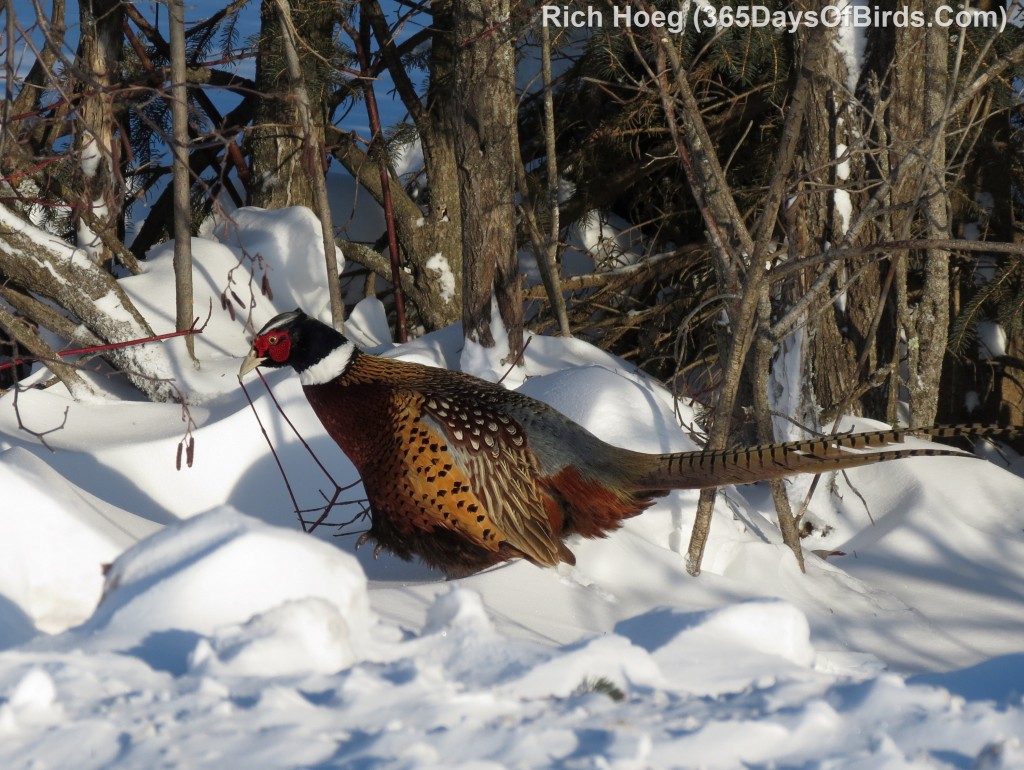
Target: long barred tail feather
[700, 470]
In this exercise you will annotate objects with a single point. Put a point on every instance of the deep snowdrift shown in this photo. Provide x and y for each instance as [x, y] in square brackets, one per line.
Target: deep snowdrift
[221, 636]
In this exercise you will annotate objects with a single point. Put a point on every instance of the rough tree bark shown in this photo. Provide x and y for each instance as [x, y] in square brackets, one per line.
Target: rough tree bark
[927, 326]
[312, 155]
[429, 234]
[832, 166]
[99, 206]
[485, 136]
[280, 176]
[28, 339]
[875, 170]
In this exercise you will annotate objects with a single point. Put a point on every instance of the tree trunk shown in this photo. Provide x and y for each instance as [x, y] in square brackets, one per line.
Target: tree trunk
[312, 153]
[910, 65]
[485, 133]
[182, 182]
[19, 338]
[280, 177]
[441, 232]
[99, 206]
[854, 194]
[429, 233]
[927, 345]
[832, 166]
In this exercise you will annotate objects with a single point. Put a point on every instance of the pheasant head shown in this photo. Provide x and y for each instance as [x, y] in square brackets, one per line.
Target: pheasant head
[316, 351]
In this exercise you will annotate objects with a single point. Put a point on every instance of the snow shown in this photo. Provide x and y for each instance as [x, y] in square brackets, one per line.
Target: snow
[90, 157]
[785, 388]
[445, 278]
[88, 241]
[160, 589]
[368, 324]
[291, 241]
[972, 400]
[496, 363]
[843, 164]
[992, 340]
[844, 209]
[607, 239]
[222, 636]
[60, 249]
[59, 586]
[850, 41]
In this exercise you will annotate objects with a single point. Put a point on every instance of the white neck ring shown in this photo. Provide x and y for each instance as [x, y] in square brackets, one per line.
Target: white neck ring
[331, 366]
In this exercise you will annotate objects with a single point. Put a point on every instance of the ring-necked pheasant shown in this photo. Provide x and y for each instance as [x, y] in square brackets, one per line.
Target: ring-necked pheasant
[465, 474]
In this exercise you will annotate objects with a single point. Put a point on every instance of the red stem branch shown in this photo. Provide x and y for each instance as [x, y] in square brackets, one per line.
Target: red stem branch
[362, 42]
[112, 345]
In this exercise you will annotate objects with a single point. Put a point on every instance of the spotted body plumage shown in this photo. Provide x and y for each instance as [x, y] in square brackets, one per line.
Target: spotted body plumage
[466, 474]
[430, 446]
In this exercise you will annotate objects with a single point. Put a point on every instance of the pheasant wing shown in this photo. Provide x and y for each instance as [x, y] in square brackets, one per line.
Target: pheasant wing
[489, 449]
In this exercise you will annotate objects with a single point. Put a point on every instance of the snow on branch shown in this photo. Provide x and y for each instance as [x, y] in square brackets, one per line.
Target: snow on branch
[45, 265]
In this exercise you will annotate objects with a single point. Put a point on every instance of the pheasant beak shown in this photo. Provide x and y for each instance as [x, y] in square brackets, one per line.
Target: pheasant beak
[251, 362]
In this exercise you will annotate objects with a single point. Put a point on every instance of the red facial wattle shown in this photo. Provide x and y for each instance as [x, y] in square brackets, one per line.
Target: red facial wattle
[276, 346]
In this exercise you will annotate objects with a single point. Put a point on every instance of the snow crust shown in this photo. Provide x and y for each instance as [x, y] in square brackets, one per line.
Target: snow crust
[222, 636]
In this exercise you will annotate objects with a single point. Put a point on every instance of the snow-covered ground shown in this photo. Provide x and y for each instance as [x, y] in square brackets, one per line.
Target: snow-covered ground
[221, 636]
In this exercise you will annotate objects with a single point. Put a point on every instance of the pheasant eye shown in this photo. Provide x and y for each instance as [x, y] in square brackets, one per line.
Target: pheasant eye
[279, 346]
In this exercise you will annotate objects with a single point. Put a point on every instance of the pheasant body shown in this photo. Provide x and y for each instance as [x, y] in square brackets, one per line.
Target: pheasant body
[465, 474]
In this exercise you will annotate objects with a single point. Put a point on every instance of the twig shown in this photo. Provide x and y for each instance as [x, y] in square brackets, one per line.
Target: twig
[41, 435]
[338, 488]
[516, 360]
[295, 430]
[280, 467]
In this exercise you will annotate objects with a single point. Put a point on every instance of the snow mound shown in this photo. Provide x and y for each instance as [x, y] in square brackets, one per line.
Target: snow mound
[222, 569]
[56, 586]
[724, 650]
[300, 636]
[367, 324]
[607, 403]
[31, 702]
[291, 243]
